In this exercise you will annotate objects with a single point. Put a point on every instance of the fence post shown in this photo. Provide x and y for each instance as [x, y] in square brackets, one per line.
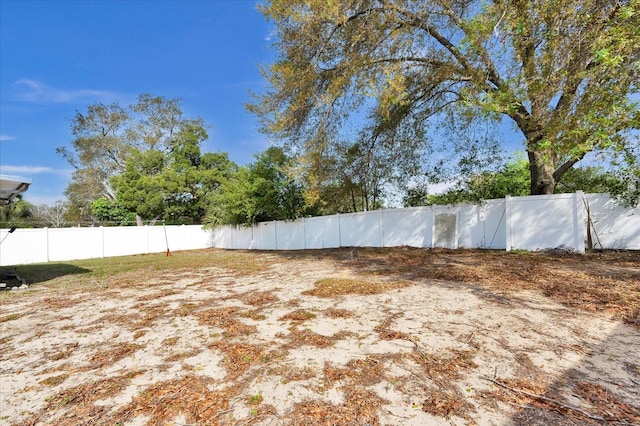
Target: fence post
[46, 239]
[102, 233]
[381, 233]
[507, 222]
[456, 229]
[304, 233]
[578, 222]
[275, 234]
[433, 226]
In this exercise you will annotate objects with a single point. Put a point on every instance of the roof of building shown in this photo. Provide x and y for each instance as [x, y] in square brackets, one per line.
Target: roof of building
[10, 186]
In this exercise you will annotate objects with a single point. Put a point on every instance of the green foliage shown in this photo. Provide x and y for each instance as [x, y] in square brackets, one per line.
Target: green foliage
[107, 136]
[259, 192]
[513, 179]
[112, 212]
[565, 73]
[172, 186]
[17, 213]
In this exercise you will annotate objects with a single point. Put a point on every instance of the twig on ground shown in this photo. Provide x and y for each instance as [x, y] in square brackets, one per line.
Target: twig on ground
[546, 399]
[471, 337]
[422, 354]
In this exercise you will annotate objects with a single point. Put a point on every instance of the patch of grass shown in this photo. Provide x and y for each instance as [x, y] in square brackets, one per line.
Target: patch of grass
[255, 399]
[332, 287]
[54, 380]
[99, 274]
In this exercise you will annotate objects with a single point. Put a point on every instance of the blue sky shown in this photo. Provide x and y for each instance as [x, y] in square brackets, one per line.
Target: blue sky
[58, 57]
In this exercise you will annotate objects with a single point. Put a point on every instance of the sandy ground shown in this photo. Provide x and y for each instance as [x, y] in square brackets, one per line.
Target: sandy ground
[310, 341]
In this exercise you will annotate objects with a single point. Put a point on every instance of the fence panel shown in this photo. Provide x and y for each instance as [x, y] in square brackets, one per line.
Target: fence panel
[613, 226]
[468, 226]
[492, 225]
[125, 241]
[264, 236]
[75, 243]
[407, 227]
[361, 229]
[539, 222]
[222, 237]
[23, 246]
[243, 237]
[290, 235]
[322, 232]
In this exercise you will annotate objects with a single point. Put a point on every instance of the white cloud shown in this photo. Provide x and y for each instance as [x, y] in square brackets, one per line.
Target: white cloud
[6, 138]
[34, 91]
[31, 170]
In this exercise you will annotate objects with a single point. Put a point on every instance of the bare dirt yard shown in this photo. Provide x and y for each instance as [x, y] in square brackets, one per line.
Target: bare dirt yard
[333, 337]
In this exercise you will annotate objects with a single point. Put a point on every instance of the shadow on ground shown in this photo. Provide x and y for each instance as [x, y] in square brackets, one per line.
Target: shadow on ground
[35, 274]
[602, 388]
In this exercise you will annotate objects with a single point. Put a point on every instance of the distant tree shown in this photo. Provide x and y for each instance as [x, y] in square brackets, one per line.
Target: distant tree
[172, 185]
[259, 192]
[51, 215]
[17, 213]
[107, 135]
[234, 203]
[564, 73]
[359, 175]
[513, 179]
[111, 211]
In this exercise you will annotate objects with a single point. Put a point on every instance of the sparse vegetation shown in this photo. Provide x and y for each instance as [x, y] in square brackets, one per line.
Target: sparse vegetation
[422, 327]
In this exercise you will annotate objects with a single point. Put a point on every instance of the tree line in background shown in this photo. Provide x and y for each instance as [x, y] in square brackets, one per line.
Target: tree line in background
[371, 99]
[144, 165]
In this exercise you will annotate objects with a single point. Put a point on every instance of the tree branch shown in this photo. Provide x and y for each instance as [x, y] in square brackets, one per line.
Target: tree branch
[557, 173]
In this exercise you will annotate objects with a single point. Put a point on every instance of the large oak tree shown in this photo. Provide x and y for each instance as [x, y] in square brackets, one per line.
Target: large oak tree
[565, 72]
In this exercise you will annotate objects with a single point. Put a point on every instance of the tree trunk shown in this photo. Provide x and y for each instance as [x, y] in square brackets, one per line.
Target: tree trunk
[541, 169]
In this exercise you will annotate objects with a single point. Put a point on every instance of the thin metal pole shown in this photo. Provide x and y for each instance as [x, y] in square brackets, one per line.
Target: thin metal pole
[166, 240]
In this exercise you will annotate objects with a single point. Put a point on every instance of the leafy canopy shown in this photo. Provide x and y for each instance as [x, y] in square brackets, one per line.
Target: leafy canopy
[259, 192]
[145, 159]
[565, 73]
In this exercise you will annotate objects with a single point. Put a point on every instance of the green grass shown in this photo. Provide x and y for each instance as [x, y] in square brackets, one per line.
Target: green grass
[80, 273]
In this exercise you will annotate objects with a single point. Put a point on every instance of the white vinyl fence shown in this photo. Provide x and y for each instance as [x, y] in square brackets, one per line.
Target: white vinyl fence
[513, 223]
[526, 223]
[60, 244]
